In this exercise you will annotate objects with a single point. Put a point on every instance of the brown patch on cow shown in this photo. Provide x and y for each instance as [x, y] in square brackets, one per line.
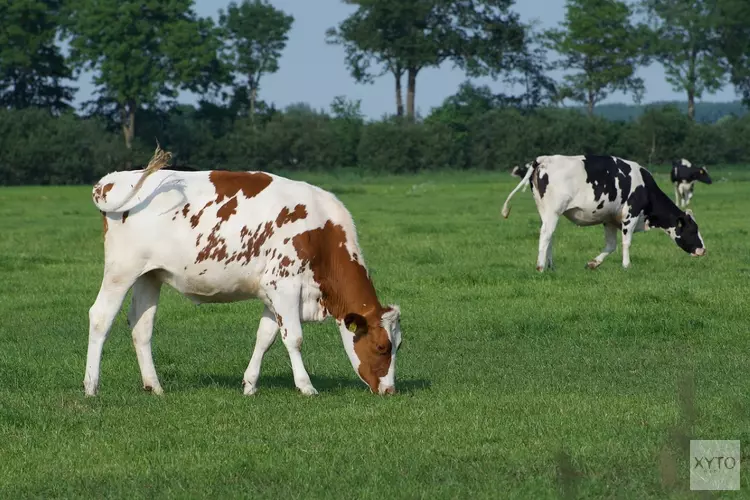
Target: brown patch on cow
[286, 262]
[125, 215]
[216, 247]
[100, 192]
[251, 243]
[228, 184]
[198, 240]
[185, 210]
[286, 240]
[227, 209]
[195, 219]
[105, 224]
[287, 217]
[346, 288]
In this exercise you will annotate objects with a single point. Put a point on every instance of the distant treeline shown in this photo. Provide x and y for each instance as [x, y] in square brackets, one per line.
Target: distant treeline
[466, 132]
[705, 112]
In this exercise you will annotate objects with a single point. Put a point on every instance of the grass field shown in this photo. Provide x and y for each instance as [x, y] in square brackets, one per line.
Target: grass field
[511, 384]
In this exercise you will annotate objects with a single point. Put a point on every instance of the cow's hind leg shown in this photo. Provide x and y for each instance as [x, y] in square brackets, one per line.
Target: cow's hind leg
[115, 286]
[141, 319]
[266, 335]
[286, 304]
[610, 244]
[549, 223]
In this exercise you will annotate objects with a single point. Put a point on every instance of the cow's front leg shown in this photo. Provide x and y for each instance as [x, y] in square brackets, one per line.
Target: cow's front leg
[677, 197]
[628, 228]
[549, 223]
[287, 309]
[610, 244]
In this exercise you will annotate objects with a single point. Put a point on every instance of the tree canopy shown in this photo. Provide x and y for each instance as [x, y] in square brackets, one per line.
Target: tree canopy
[33, 71]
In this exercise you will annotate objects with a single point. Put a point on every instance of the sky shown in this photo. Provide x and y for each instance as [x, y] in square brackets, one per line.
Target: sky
[314, 72]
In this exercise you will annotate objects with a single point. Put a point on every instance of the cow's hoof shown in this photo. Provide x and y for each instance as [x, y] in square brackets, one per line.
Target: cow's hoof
[540, 269]
[154, 389]
[308, 390]
[593, 264]
[249, 389]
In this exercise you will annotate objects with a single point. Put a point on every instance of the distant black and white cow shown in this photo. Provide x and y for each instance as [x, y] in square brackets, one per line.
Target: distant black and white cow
[617, 193]
[683, 175]
[520, 172]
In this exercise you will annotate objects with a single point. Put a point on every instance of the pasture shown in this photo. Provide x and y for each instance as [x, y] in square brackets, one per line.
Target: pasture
[511, 383]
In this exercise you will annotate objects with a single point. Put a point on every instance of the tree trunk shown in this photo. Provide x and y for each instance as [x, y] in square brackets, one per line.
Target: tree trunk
[127, 118]
[590, 104]
[410, 92]
[691, 104]
[253, 97]
[399, 97]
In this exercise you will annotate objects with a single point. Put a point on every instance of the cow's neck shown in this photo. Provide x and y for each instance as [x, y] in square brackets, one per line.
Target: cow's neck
[662, 212]
[344, 282]
[348, 289]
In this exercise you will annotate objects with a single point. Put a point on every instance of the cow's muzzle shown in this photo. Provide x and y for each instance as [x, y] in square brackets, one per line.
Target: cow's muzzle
[389, 389]
[699, 252]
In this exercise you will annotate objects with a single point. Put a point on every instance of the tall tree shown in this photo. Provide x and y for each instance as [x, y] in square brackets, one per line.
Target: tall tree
[369, 52]
[143, 52]
[256, 33]
[603, 48]
[32, 69]
[685, 43]
[733, 30]
[404, 37]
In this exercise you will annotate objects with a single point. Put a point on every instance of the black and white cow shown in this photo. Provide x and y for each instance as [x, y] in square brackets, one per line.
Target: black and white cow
[520, 172]
[617, 193]
[684, 175]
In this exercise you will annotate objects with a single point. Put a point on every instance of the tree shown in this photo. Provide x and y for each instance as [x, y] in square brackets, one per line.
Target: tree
[685, 44]
[256, 33]
[143, 52]
[32, 69]
[733, 30]
[404, 37]
[600, 43]
[368, 50]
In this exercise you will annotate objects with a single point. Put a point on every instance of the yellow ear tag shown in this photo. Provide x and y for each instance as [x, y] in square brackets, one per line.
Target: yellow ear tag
[352, 327]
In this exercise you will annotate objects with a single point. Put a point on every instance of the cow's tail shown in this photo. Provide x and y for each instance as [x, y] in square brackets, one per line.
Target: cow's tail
[160, 159]
[522, 184]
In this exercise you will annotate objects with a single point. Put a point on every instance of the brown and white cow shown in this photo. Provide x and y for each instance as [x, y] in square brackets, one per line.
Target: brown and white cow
[223, 236]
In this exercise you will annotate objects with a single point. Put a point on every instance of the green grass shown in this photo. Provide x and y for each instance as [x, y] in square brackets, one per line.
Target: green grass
[511, 384]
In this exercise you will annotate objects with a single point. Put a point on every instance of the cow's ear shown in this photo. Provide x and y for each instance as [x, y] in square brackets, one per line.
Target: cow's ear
[356, 323]
[689, 212]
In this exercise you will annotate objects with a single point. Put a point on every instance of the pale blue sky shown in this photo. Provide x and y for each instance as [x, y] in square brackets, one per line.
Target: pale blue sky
[313, 72]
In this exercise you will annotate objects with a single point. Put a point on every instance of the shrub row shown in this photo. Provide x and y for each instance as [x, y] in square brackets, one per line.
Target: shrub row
[37, 148]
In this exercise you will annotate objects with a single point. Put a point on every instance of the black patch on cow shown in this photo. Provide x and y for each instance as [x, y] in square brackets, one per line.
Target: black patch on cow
[607, 176]
[543, 182]
[600, 205]
[624, 231]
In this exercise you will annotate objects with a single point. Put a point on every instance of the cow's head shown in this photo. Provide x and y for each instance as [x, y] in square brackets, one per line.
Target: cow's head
[520, 172]
[371, 341]
[685, 233]
[702, 175]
